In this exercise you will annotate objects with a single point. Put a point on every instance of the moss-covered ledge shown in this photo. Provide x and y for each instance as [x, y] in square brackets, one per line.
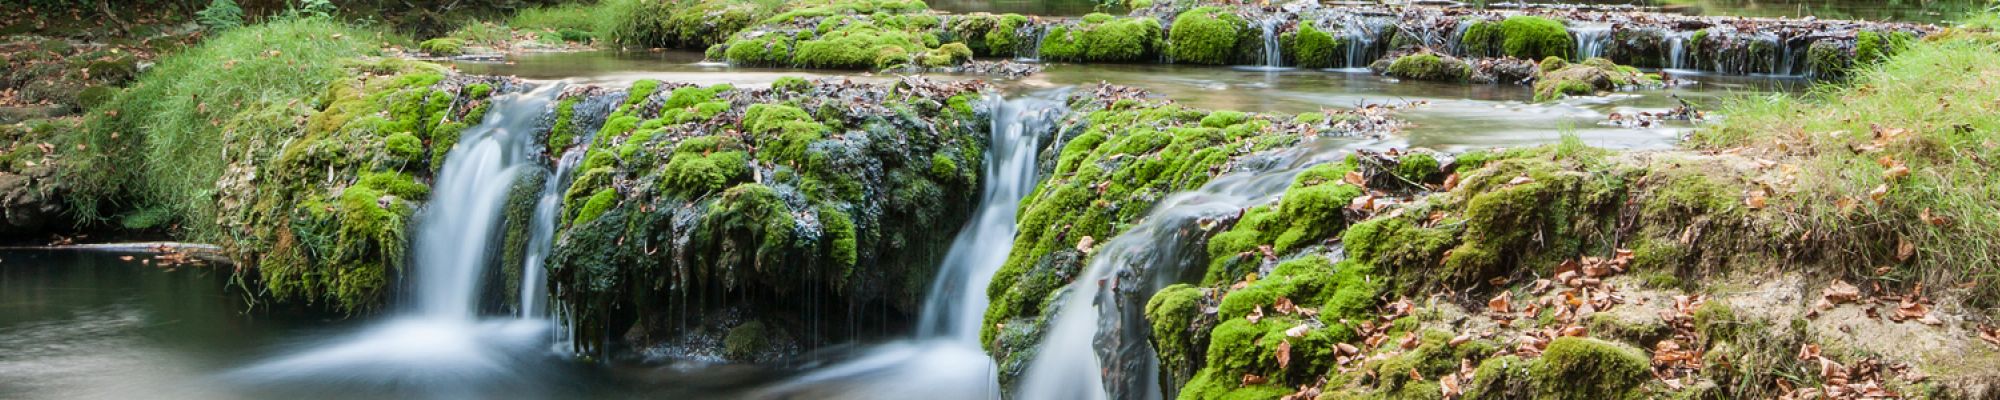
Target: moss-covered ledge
[809, 207]
[1121, 150]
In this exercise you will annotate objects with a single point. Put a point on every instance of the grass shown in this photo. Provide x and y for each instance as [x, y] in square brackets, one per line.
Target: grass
[1931, 110]
[158, 145]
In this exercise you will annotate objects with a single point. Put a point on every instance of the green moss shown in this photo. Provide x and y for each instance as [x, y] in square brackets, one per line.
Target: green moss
[1580, 368]
[1504, 377]
[1104, 39]
[596, 206]
[1531, 37]
[1716, 321]
[791, 84]
[404, 146]
[1430, 67]
[678, 24]
[443, 46]
[1872, 47]
[1483, 39]
[1205, 35]
[1223, 119]
[745, 341]
[1313, 48]
[1417, 167]
[1179, 342]
[766, 50]
[784, 130]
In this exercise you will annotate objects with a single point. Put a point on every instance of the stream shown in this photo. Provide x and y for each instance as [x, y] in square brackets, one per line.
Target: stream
[88, 324]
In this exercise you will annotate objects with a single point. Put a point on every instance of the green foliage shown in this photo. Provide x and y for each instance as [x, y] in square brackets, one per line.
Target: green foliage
[596, 206]
[443, 46]
[1416, 167]
[163, 148]
[679, 24]
[1205, 35]
[1901, 96]
[405, 146]
[220, 15]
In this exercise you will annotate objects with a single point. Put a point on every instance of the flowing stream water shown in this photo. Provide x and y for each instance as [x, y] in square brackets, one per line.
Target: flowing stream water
[944, 359]
[444, 347]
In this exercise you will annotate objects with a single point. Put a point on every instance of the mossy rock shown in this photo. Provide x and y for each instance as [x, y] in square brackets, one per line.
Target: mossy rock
[1104, 39]
[1205, 35]
[1575, 368]
[444, 47]
[746, 341]
[1532, 38]
[1430, 67]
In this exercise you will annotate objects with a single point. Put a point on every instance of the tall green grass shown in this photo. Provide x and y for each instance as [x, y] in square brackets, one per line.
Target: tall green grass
[1930, 109]
[157, 148]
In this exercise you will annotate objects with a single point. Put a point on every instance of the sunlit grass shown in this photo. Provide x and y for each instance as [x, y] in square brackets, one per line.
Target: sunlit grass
[1933, 109]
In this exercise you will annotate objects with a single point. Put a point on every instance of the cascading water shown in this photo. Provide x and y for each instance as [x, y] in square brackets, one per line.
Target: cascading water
[443, 345]
[1028, 42]
[936, 364]
[1101, 317]
[1677, 49]
[1274, 55]
[1591, 40]
[1359, 36]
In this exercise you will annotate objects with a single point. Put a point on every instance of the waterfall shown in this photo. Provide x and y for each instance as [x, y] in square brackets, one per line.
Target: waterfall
[1274, 57]
[443, 344]
[957, 299]
[1677, 49]
[1091, 325]
[1591, 40]
[939, 362]
[541, 238]
[1031, 37]
[1359, 36]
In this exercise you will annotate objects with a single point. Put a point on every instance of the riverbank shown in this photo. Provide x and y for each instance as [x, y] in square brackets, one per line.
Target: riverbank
[1794, 251]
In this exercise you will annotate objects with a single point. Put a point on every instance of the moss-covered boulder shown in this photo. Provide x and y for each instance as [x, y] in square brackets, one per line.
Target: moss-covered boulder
[1579, 368]
[1206, 35]
[1310, 47]
[1103, 38]
[1560, 79]
[857, 34]
[1427, 67]
[808, 190]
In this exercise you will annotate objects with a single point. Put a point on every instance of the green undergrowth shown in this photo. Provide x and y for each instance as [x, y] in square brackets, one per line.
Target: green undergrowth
[1899, 159]
[692, 191]
[681, 24]
[161, 144]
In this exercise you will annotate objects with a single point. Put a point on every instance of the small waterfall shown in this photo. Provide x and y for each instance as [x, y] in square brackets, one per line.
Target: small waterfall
[1360, 36]
[1274, 55]
[1787, 58]
[957, 301]
[1028, 42]
[1591, 40]
[1677, 49]
[443, 345]
[541, 237]
[1455, 44]
[1090, 327]
[939, 362]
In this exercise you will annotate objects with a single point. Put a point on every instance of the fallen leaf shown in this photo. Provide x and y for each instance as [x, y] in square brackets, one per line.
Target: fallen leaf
[1284, 354]
[1252, 379]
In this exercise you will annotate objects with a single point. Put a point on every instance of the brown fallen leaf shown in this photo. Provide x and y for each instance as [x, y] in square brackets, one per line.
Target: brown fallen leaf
[1284, 354]
[1905, 249]
[1501, 303]
[1879, 193]
[1841, 292]
[1253, 379]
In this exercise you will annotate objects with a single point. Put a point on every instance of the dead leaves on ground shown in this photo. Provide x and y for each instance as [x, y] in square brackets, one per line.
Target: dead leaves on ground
[1914, 306]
